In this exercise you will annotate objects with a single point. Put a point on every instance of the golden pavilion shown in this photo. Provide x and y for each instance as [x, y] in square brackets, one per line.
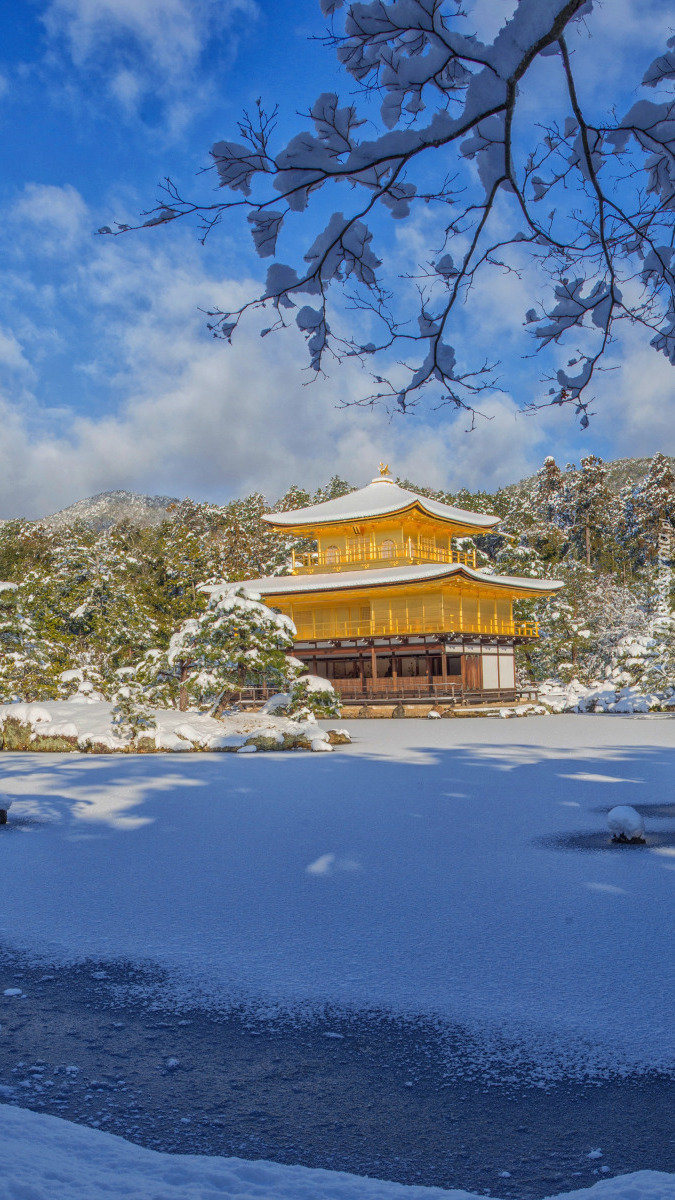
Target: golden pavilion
[387, 604]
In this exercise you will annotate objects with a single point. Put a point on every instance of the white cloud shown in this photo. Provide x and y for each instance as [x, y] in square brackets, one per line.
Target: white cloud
[192, 415]
[57, 215]
[147, 47]
[168, 34]
[12, 356]
[180, 413]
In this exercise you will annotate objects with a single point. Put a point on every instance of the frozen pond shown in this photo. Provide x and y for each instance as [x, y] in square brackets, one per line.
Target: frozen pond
[418, 958]
[453, 869]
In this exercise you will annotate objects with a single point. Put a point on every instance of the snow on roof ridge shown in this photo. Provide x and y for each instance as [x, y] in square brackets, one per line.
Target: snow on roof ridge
[372, 501]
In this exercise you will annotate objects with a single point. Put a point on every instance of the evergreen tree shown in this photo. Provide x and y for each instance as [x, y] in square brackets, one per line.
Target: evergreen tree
[647, 509]
[237, 642]
[582, 625]
[593, 518]
[308, 700]
[332, 490]
[549, 492]
[29, 663]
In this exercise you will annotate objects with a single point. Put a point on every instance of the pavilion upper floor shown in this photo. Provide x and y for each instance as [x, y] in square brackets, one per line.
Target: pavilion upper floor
[380, 525]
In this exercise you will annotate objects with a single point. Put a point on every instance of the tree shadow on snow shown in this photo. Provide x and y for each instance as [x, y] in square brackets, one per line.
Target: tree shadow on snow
[529, 783]
[603, 842]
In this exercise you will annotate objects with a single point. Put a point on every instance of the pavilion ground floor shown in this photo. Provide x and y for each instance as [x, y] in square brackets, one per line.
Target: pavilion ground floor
[429, 666]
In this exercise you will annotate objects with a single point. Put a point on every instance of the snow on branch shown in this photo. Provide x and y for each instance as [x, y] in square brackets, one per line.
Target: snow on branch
[438, 122]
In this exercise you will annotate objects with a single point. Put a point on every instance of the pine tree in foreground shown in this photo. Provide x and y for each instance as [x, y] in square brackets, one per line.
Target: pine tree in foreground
[238, 642]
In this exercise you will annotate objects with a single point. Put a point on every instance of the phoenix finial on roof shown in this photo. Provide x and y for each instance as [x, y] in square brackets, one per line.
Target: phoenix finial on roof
[384, 469]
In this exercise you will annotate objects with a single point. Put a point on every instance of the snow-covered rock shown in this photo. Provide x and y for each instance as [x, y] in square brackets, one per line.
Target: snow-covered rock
[625, 824]
[339, 737]
[277, 703]
[320, 745]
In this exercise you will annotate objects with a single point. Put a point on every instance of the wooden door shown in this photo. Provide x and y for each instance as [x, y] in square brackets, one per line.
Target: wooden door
[473, 672]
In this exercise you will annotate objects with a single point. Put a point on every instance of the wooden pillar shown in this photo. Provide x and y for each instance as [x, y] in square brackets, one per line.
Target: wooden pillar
[359, 662]
[444, 666]
[394, 670]
[373, 666]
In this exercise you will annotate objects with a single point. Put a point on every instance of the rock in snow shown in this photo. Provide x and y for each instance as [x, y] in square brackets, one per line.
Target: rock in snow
[625, 824]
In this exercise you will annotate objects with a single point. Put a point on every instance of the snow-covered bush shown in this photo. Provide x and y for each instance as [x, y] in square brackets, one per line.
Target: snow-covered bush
[131, 716]
[310, 697]
[80, 681]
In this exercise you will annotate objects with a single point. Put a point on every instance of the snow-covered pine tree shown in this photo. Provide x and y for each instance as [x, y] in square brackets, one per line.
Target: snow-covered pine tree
[30, 663]
[237, 642]
[647, 508]
[594, 517]
[335, 487]
[312, 697]
[582, 625]
[116, 613]
[548, 493]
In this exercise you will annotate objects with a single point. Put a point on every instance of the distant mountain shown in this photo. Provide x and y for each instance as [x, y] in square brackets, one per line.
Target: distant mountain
[108, 508]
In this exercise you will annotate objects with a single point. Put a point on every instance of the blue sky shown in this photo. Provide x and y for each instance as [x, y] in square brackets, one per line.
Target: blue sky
[108, 376]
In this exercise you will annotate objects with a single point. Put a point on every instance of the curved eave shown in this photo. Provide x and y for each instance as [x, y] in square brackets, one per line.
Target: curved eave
[300, 585]
[462, 522]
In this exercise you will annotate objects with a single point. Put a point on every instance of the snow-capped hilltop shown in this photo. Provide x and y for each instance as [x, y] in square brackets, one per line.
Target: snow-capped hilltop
[108, 508]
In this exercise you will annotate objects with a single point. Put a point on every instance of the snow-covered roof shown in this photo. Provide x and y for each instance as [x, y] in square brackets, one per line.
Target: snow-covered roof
[382, 497]
[286, 585]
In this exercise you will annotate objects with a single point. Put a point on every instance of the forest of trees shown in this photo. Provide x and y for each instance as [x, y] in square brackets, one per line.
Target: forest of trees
[103, 602]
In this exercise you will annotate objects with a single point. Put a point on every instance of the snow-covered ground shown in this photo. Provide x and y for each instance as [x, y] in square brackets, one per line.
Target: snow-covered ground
[86, 722]
[450, 868]
[44, 1158]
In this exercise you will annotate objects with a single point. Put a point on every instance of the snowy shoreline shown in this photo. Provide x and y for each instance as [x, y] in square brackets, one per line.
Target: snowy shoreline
[51, 1159]
[86, 725]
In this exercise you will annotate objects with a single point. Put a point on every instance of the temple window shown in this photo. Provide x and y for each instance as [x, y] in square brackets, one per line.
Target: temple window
[388, 549]
[332, 556]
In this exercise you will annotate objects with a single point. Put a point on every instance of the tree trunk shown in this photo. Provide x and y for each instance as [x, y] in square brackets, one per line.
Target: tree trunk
[183, 693]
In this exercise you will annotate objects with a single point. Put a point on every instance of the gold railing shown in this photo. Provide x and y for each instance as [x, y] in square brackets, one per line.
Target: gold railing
[315, 630]
[396, 555]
